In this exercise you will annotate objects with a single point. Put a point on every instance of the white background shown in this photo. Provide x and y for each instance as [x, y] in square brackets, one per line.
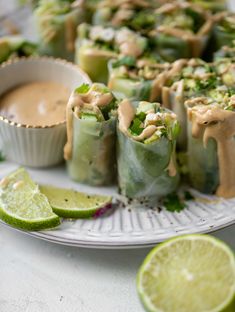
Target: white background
[37, 276]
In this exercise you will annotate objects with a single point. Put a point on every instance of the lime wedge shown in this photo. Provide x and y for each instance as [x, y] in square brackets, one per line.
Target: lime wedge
[192, 273]
[22, 205]
[72, 204]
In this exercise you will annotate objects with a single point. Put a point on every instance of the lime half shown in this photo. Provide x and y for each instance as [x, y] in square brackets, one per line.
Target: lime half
[192, 273]
[72, 204]
[22, 205]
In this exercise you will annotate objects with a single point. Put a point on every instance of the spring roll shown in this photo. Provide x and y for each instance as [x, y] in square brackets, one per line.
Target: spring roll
[137, 15]
[56, 22]
[182, 30]
[96, 45]
[211, 143]
[16, 46]
[224, 29]
[186, 79]
[137, 79]
[91, 135]
[146, 150]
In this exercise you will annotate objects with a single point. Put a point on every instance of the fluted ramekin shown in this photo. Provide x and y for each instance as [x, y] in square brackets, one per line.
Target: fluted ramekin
[31, 145]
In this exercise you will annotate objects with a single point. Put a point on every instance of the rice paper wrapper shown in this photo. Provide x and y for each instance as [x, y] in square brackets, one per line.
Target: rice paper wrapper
[202, 163]
[143, 168]
[134, 90]
[57, 39]
[93, 155]
[93, 61]
[222, 38]
[175, 102]
[173, 48]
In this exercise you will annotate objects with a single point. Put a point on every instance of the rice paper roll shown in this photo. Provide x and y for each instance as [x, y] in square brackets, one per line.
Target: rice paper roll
[211, 143]
[16, 46]
[91, 135]
[186, 79]
[137, 79]
[96, 45]
[146, 150]
[137, 15]
[224, 29]
[182, 31]
[56, 22]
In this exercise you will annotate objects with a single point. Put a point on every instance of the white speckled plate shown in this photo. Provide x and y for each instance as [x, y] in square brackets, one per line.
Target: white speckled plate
[133, 226]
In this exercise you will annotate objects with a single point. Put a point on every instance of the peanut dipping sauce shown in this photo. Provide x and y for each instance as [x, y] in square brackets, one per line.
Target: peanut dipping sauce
[219, 124]
[35, 104]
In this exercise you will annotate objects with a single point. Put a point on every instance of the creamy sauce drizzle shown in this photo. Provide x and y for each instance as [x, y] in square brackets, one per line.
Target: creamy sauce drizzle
[127, 43]
[157, 86]
[172, 171]
[213, 122]
[126, 114]
[70, 34]
[127, 4]
[176, 68]
[178, 86]
[130, 48]
[35, 104]
[75, 103]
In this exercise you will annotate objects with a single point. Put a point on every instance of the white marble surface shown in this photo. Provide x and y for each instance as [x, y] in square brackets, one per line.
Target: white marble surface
[37, 276]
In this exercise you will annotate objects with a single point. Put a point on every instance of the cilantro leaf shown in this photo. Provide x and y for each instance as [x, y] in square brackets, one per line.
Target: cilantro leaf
[209, 83]
[173, 203]
[84, 88]
[135, 127]
[141, 116]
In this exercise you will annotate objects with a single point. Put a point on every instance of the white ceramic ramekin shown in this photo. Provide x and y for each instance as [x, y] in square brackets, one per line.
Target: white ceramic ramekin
[25, 144]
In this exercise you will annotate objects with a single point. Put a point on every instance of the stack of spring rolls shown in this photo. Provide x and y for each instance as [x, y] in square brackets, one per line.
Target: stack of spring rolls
[163, 84]
[144, 134]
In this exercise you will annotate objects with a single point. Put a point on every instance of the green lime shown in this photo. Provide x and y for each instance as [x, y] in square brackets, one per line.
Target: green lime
[192, 273]
[72, 204]
[22, 205]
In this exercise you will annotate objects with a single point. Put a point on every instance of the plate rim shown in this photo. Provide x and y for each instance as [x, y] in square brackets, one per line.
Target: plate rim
[101, 245]
[133, 236]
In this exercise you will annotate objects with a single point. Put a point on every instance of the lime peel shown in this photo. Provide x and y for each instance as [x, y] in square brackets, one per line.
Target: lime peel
[22, 205]
[187, 273]
[68, 203]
